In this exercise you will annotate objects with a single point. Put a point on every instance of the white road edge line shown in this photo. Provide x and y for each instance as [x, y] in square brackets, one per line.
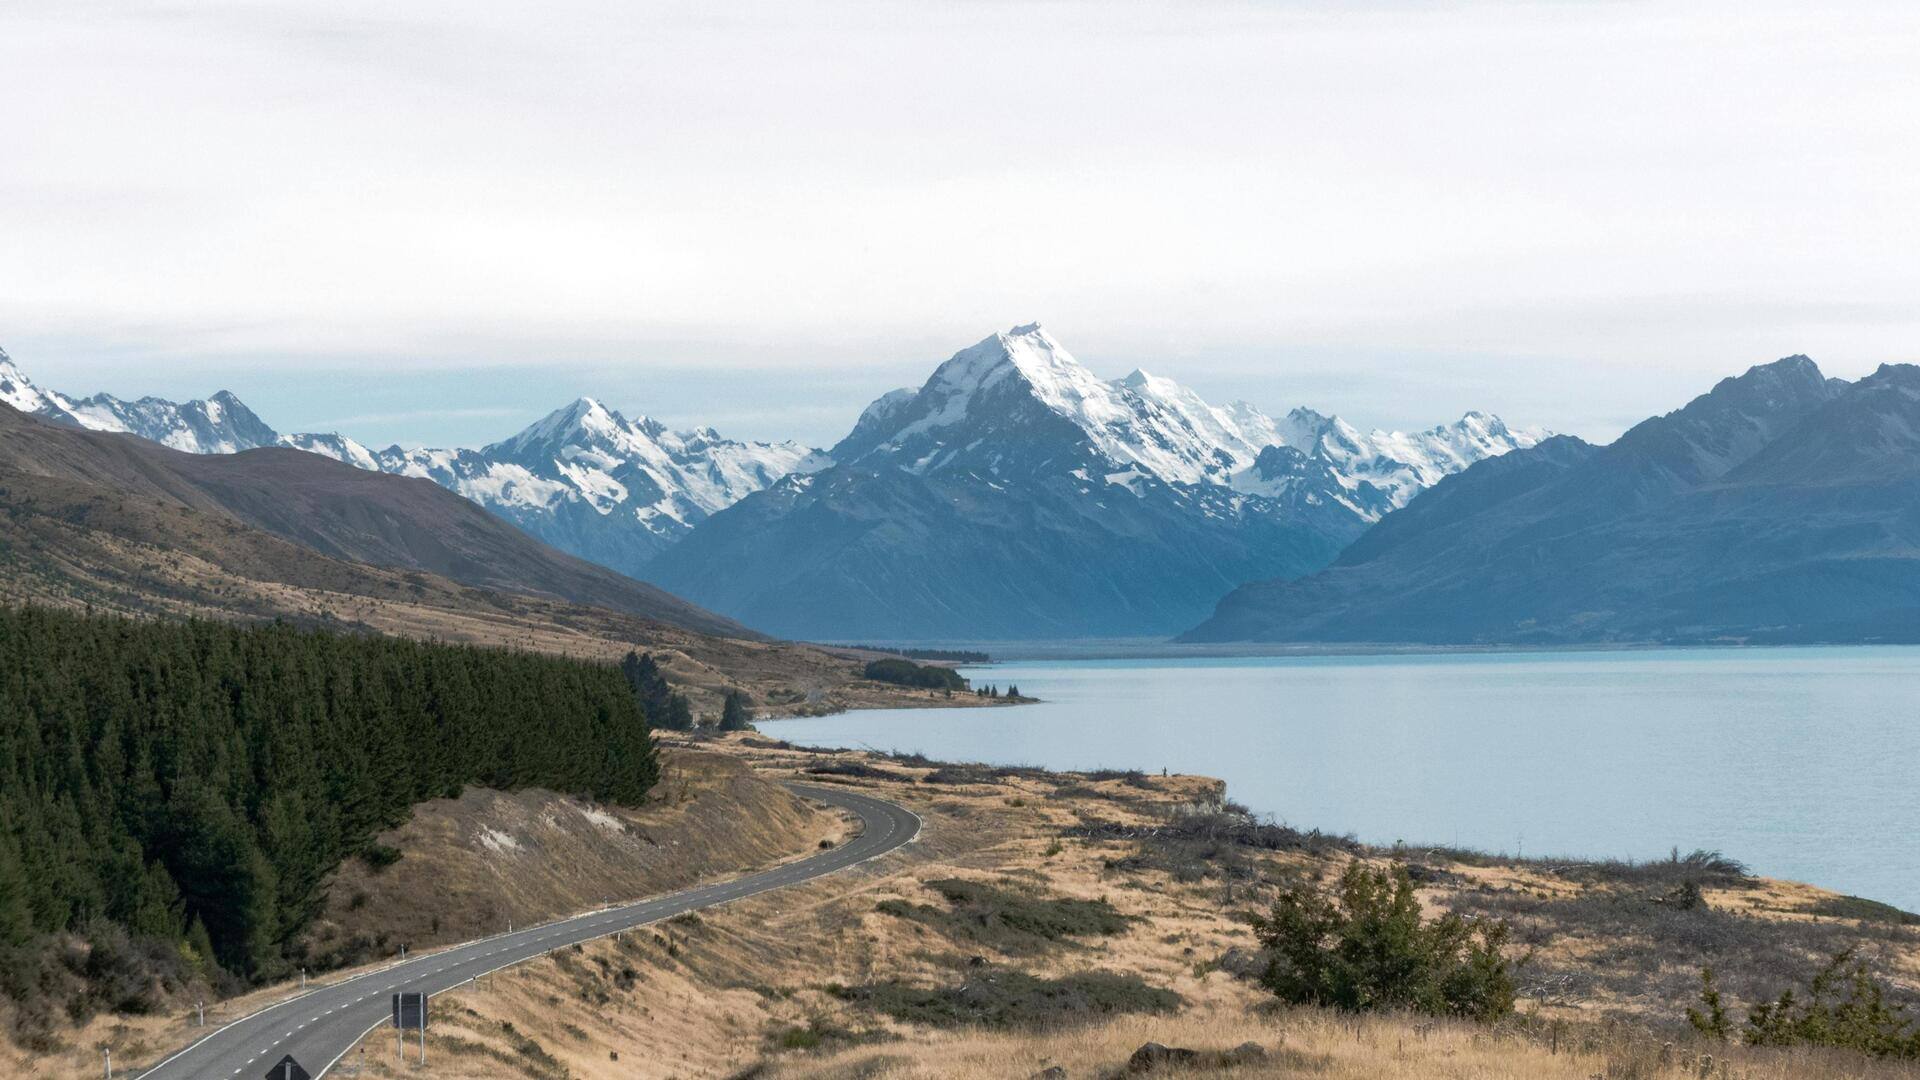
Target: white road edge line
[918, 824]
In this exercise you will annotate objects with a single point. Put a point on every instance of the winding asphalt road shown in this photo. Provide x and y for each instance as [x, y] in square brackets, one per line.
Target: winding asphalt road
[321, 1025]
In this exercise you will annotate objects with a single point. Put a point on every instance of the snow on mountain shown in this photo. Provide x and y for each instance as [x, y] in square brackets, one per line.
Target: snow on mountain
[18, 391]
[665, 479]
[1397, 464]
[337, 447]
[1144, 424]
[590, 481]
[1017, 494]
[220, 424]
[583, 478]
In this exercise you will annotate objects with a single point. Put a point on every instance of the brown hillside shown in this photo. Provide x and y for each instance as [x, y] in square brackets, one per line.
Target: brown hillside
[335, 510]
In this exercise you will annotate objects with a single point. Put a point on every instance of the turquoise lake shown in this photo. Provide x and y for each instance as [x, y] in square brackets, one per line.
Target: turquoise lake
[1802, 762]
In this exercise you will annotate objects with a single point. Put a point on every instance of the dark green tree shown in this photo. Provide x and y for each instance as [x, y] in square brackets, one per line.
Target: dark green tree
[195, 784]
[1369, 947]
[736, 714]
[664, 708]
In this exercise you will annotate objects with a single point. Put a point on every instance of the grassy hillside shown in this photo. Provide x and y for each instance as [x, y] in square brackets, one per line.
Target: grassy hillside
[1060, 920]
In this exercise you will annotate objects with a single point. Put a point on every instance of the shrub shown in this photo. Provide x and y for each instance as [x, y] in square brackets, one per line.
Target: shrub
[1009, 921]
[1844, 1008]
[1370, 949]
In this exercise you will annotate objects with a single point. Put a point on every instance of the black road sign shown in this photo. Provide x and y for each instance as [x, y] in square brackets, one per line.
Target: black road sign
[410, 1010]
[288, 1069]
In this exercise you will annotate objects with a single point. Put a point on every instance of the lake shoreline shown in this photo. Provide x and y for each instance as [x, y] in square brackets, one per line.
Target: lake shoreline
[1164, 649]
[1785, 757]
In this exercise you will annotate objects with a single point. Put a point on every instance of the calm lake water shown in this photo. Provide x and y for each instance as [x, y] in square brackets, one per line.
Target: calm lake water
[1804, 763]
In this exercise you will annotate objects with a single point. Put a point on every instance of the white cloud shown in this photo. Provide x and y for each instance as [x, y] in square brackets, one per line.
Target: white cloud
[1564, 191]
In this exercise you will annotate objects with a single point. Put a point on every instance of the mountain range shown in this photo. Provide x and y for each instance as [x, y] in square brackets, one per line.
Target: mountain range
[585, 479]
[1781, 506]
[1017, 495]
[1014, 494]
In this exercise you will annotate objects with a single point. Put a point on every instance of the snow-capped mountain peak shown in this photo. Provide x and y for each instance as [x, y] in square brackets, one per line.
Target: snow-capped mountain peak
[999, 393]
[19, 391]
[221, 424]
[582, 419]
[583, 477]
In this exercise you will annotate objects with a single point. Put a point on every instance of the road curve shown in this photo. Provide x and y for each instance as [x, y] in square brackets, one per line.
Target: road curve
[321, 1025]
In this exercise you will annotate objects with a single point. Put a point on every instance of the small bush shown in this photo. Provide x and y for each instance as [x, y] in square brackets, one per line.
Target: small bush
[1370, 948]
[379, 856]
[1130, 777]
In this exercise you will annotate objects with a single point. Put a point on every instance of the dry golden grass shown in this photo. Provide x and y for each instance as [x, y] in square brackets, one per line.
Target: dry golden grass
[721, 994]
[1319, 1043]
[716, 997]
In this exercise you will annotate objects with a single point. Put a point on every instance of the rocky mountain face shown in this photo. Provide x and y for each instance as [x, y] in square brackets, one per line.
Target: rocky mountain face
[1782, 506]
[1017, 495]
[584, 478]
[592, 482]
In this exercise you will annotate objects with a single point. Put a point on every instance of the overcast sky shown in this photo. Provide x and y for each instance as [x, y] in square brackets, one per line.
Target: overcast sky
[434, 221]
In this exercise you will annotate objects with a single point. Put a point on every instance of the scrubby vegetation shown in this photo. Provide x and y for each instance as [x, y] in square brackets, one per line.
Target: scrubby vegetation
[903, 672]
[183, 790]
[1844, 1007]
[1369, 947]
[858, 770]
[1220, 827]
[1872, 911]
[945, 656]
[1013, 922]
[1005, 999]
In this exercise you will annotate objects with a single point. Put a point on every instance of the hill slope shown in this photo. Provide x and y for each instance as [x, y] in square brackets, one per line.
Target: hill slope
[1782, 506]
[332, 509]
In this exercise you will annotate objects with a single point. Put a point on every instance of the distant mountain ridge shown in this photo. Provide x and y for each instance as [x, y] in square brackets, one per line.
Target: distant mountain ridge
[1121, 507]
[1016, 494]
[1780, 506]
[583, 478]
[220, 424]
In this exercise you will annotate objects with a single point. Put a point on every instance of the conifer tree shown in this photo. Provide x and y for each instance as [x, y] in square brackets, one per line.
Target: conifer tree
[735, 715]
